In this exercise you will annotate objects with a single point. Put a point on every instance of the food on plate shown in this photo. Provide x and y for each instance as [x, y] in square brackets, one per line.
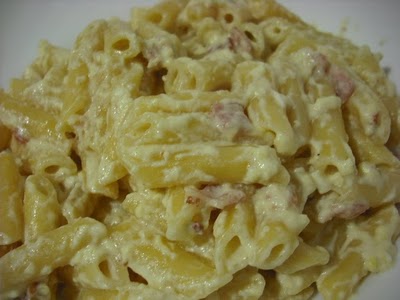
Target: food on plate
[201, 150]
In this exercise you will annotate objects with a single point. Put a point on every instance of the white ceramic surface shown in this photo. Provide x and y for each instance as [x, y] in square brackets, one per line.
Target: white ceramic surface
[375, 23]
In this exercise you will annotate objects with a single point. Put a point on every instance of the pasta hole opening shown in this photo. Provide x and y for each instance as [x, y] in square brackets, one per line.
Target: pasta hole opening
[250, 36]
[4, 249]
[276, 252]
[277, 30]
[376, 119]
[105, 268]
[76, 159]
[172, 77]
[52, 169]
[331, 170]
[143, 127]
[232, 246]
[355, 243]
[135, 277]
[303, 152]
[70, 135]
[228, 18]
[155, 18]
[291, 116]
[42, 188]
[121, 45]
[182, 30]
[214, 215]
[191, 81]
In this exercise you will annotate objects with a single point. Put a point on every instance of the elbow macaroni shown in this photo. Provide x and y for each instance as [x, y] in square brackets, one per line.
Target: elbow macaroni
[204, 150]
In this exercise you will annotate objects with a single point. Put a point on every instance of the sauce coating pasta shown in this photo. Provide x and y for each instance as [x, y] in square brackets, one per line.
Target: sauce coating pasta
[206, 149]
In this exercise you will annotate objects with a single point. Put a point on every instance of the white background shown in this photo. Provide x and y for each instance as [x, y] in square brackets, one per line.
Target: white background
[373, 22]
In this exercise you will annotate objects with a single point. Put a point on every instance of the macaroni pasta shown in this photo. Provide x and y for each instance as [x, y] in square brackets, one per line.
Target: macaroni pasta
[202, 150]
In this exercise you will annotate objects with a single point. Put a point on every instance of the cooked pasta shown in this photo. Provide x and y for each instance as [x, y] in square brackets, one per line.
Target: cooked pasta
[201, 150]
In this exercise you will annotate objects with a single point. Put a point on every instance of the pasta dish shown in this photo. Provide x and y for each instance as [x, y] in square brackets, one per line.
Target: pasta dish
[209, 149]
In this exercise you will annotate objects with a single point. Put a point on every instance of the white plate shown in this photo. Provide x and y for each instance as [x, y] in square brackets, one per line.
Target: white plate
[371, 22]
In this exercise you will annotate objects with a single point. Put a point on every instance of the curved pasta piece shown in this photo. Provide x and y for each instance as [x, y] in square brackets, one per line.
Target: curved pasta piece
[11, 195]
[49, 251]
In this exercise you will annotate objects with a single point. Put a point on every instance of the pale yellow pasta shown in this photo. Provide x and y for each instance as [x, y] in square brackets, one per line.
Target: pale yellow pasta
[254, 33]
[185, 102]
[42, 212]
[339, 281]
[184, 220]
[208, 149]
[26, 120]
[163, 14]
[196, 11]
[172, 165]
[332, 159]
[262, 10]
[375, 187]
[298, 283]
[368, 151]
[150, 253]
[93, 175]
[148, 204]
[5, 137]
[246, 284]
[11, 197]
[276, 30]
[305, 256]
[269, 114]
[128, 293]
[104, 273]
[39, 258]
[121, 40]
[78, 203]
[205, 75]
[275, 290]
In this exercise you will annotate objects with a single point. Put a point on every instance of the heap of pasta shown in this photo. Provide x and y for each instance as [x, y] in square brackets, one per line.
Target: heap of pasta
[203, 150]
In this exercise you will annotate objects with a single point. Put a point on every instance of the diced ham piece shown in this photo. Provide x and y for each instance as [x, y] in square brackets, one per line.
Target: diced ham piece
[238, 41]
[322, 64]
[231, 119]
[198, 228]
[220, 196]
[342, 83]
[193, 200]
[21, 135]
[349, 210]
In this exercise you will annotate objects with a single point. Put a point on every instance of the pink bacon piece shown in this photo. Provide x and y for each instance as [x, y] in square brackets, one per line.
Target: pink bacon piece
[342, 83]
[220, 196]
[350, 210]
[238, 41]
[21, 135]
[230, 116]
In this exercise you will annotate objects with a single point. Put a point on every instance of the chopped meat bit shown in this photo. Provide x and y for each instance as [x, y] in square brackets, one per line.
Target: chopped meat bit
[349, 210]
[342, 83]
[21, 135]
[376, 119]
[238, 41]
[220, 196]
[198, 228]
[193, 200]
[339, 78]
[322, 64]
[231, 119]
